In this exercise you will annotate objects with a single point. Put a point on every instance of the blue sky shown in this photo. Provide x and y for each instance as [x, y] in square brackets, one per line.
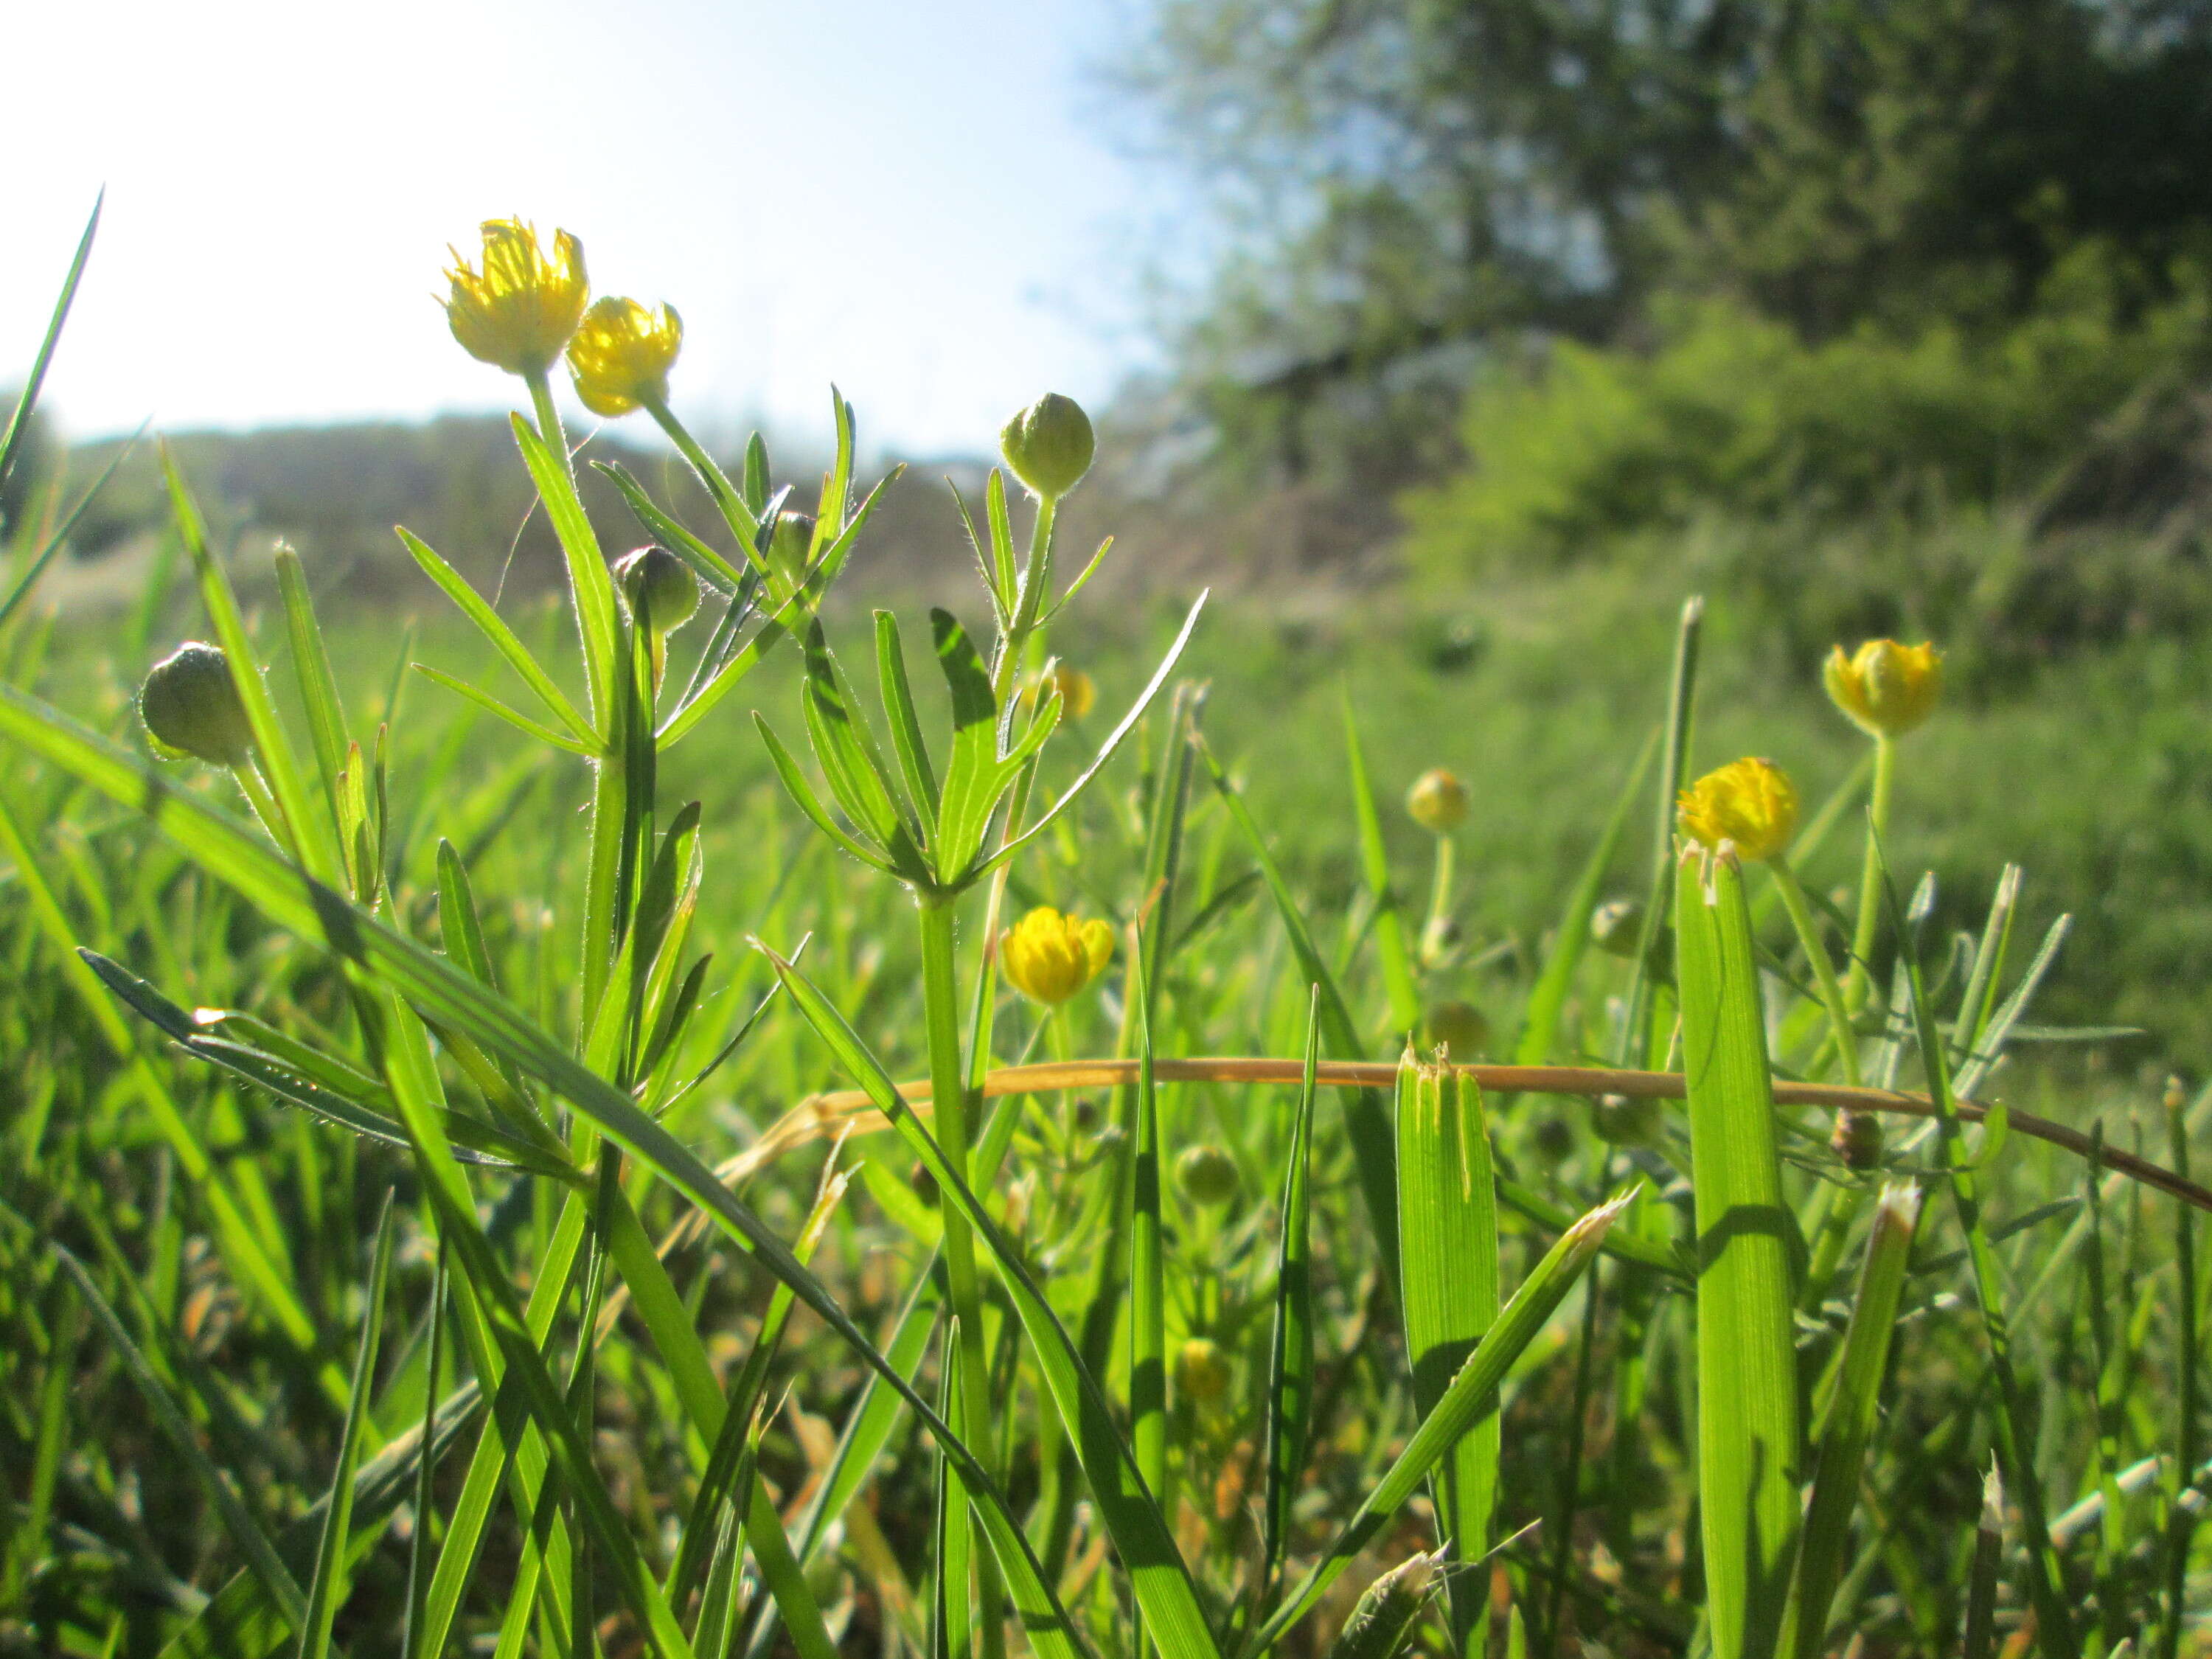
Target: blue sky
[918, 201]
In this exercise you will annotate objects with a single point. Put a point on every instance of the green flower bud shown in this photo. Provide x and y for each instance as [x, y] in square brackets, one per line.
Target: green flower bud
[1201, 1371]
[790, 543]
[1438, 801]
[1207, 1175]
[190, 705]
[1049, 445]
[1617, 928]
[663, 582]
[1626, 1120]
[1460, 1027]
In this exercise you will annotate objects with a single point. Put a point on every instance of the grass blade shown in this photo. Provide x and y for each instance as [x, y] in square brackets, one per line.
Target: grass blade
[1448, 1229]
[1290, 1348]
[326, 1590]
[1747, 1433]
[1391, 947]
[19, 423]
[1847, 1424]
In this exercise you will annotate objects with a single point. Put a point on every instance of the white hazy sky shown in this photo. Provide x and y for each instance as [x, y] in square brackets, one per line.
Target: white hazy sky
[909, 198]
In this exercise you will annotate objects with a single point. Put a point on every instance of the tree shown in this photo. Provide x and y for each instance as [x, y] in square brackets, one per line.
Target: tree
[1398, 178]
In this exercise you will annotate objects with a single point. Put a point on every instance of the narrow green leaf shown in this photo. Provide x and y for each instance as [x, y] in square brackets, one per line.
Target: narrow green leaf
[327, 1589]
[311, 665]
[907, 740]
[503, 640]
[1448, 1229]
[591, 585]
[1390, 947]
[19, 423]
[1747, 1431]
[1847, 1424]
[1290, 1348]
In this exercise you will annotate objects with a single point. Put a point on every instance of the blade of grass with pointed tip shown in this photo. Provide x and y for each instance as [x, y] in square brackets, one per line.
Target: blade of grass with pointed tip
[1291, 1347]
[327, 1588]
[1547, 999]
[1448, 1233]
[19, 423]
[317, 847]
[1472, 1393]
[1748, 1431]
[58, 537]
[1398, 984]
[1847, 1423]
[311, 666]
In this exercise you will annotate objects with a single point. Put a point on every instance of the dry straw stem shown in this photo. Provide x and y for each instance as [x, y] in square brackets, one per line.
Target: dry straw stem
[825, 1114]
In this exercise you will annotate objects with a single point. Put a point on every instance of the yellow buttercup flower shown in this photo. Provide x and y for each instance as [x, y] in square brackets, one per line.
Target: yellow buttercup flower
[520, 310]
[1884, 687]
[621, 354]
[1749, 803]
[1050, 956]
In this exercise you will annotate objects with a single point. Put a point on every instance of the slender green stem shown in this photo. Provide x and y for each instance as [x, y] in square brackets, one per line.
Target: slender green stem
[715, 481]
[2181, 1520]
[549, 418]
[1860, 978]
[949, 1089]
[1440, 890]
[1824, 971]
[1029, 600]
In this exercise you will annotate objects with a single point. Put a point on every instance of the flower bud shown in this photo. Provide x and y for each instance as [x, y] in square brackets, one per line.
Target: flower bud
[1049, 957]
[1750, 804]
[620, 354]
[1207, 1175]
[1884, 687]
[1438, 801]
[1626, 1120]
[1201, 1371]
[190, 705]
[1049, 445]
[519, 312]
[790, 543]
[1856, 1139]
[1460, 1027]
[654, 581]
[1617, 927]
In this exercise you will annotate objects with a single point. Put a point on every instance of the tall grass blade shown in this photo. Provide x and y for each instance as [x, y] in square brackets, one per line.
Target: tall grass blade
[1291, 1347]
[19, 423]
[1390, 947]
[1448, 1219]
[1747, 1431]
[326, 1590]
[1847, 1424]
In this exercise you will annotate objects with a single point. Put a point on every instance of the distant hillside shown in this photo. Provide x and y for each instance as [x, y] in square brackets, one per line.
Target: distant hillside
[335, 492]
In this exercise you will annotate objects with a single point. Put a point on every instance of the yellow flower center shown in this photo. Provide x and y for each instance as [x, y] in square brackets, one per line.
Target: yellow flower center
[1050, 957]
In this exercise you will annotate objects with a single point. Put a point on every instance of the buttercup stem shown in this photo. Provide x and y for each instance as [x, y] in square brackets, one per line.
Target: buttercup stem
[710, 475]
[1824, 971]
[948, 1083]
[1029, 600]
[1859, 980]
